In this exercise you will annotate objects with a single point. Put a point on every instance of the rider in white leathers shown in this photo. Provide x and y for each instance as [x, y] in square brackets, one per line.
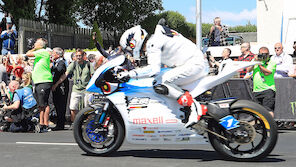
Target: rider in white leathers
[166, 47]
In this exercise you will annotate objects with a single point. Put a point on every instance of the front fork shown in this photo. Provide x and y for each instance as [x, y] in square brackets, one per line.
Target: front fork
[102, 116]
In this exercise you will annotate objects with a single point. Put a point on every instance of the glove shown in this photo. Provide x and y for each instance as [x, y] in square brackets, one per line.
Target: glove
[123, 76]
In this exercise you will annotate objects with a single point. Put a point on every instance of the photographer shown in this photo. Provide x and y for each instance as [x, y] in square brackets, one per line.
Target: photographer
[263, 80]
[9, 37]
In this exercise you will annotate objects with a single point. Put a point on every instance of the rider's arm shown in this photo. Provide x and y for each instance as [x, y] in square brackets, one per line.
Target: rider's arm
[154, 61]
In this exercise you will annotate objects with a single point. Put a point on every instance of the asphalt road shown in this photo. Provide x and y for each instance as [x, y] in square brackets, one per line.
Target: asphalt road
[58, 149]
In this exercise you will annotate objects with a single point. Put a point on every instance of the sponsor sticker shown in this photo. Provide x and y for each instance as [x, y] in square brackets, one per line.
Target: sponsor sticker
[224, 105]
[155, 120]
[147, 131]
[165, 131]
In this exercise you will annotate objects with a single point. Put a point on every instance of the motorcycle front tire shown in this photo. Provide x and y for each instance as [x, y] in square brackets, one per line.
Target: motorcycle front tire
[86, 146]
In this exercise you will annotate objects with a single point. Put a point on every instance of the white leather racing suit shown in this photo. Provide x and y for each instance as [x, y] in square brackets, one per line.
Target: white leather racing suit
[170, 48]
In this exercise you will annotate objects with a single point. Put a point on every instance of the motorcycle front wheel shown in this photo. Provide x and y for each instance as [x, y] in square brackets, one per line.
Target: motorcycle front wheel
[253, 140]
[97, 139]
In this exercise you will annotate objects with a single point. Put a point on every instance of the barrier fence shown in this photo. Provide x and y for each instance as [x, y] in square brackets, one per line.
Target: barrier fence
[66, 37]
[285, 100]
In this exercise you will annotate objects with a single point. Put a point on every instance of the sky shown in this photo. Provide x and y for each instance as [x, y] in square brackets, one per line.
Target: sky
[231, 12]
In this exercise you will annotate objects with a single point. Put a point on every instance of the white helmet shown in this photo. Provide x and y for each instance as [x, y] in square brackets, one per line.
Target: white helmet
[133, 39]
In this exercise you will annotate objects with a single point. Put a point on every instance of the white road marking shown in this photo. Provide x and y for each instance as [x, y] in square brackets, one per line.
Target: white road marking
[44, 143]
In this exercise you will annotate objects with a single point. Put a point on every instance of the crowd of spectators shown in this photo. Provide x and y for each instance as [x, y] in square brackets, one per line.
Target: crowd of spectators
[262, 75]
[47, 72]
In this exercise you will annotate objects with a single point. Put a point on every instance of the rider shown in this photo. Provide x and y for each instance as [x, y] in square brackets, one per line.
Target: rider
[170, 48]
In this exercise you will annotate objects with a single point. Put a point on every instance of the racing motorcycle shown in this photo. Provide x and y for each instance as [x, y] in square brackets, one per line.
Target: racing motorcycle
[130, 109]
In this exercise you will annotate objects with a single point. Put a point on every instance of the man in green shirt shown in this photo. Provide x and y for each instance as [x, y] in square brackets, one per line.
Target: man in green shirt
[82, 71]
[42, 79]
[263, 80]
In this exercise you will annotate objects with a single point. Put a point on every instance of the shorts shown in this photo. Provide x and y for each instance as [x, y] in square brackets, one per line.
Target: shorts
[266, 98]
[78, 100]
[42, 91]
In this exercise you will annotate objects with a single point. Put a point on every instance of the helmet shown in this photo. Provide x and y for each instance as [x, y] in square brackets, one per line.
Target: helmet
[133, 39]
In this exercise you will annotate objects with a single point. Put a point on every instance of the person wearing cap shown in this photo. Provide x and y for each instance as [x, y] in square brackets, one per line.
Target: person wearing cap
[42, 78]
[9, 37]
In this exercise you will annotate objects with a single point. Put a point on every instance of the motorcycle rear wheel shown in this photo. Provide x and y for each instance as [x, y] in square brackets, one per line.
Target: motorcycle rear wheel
[257, 134]
[95, 139]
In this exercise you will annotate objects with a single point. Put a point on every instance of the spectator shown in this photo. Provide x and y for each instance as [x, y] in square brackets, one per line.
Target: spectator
[28, 68]
[22, 106]
[218, 33]
[3, 72]
[16, 69]
[82, 72]
[9, 37]
[127, 64]
[42, 78]
[225, 59]
[92, 59]
[60, 94]
[73, 57]
[294, 52]
[8, 93]
[3, 28]
[284, 62]
[247, 55]
[263, 80]
[9, 20]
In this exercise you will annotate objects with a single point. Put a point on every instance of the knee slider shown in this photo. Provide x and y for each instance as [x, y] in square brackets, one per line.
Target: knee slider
[161, 89]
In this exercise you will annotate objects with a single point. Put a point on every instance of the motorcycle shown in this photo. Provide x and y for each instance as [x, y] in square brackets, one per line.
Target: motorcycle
[237, 129]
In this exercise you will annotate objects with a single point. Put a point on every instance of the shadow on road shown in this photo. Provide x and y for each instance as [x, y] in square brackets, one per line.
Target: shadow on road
[202, 155]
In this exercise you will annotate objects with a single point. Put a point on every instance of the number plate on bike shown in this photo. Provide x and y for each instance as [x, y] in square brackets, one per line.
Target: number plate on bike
[229, 122]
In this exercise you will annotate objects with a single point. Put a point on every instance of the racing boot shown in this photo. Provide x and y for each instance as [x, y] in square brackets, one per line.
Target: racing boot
[185, 100]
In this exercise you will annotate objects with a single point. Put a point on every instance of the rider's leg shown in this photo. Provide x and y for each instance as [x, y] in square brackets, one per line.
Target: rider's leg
[176, 77]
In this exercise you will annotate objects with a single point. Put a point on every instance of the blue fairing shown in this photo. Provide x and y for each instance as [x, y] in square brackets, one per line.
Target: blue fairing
[98, 75]
[133, 85]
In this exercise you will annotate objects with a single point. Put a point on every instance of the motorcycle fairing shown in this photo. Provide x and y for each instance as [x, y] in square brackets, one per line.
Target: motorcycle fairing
[99, 73]
[208, 82]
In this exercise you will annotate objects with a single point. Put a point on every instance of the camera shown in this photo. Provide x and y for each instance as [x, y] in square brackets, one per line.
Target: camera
[263, 57]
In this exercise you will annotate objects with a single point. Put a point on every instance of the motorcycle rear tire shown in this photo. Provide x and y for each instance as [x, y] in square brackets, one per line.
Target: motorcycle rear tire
[265, 146]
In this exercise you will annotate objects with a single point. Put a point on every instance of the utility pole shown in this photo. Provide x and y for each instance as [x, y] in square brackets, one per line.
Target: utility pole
[198, 24]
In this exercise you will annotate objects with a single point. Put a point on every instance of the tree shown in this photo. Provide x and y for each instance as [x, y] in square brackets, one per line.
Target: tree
[173, 19]
[98, 36]
[19, 9]
[205, 28]
[116, 16]
[247, 28]
[61, 12]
